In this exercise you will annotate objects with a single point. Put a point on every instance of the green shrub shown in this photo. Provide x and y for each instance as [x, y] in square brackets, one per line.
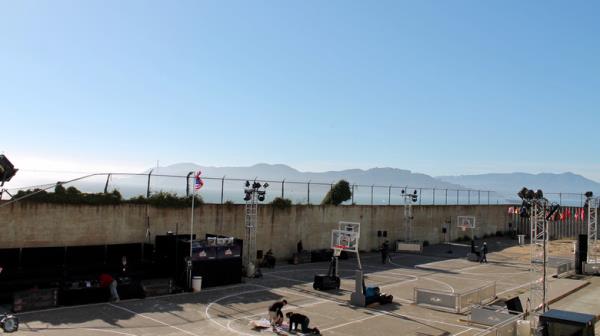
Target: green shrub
[229, 203]
[165, 199]
[281, 203]
[338, 194]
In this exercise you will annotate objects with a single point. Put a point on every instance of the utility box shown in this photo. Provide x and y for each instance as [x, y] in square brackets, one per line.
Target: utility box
[564, 323]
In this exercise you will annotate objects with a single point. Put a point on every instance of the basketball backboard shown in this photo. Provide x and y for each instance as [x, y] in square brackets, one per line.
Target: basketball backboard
[344, 240]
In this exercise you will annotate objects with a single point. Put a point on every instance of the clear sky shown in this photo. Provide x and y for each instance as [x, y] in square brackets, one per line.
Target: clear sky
[439, 87]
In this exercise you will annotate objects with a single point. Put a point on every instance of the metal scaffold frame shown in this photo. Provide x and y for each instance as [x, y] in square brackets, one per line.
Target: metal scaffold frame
[593, 254]
[539, 255]
[249, 258]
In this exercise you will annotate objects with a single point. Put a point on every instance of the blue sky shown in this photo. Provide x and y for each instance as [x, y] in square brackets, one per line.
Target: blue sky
[439, 87]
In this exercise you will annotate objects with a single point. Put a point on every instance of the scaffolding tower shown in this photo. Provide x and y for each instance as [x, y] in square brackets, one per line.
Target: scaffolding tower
[539, 255]
[593, 254]
[249, 255]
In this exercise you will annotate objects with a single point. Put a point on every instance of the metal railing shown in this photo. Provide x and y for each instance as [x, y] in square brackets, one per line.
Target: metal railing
[224, 189]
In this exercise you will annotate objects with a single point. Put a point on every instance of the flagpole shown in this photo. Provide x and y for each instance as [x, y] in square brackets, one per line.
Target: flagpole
[191, 237]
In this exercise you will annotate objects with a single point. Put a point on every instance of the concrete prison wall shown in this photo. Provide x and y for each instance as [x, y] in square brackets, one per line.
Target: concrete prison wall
[39, 224]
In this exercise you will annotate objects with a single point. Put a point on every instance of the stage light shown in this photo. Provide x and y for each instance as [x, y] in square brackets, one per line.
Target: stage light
[266, 185]
[7, 170]
[402, 191]
[589, 194]
[523, 193]
[256, 185]
[415, 192]
[261, 195]
[247, 184]
[530, 194]
[539, 194]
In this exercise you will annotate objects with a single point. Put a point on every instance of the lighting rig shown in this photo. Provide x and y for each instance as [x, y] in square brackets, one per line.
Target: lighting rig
[253, 195]
[7, 171]
[540, 211]
[409, 199]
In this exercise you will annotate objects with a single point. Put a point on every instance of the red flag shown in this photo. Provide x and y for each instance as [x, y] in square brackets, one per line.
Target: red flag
[562, 216]
[576, 214]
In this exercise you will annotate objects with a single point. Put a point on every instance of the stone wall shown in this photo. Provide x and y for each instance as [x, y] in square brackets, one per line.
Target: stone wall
[32, 224]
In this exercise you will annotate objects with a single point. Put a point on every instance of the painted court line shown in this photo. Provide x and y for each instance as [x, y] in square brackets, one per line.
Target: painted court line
[153, 319]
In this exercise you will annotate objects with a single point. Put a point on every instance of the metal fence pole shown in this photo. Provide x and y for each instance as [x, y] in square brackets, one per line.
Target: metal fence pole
[446, 197]
[469, 197]
[352, 194]
[308, 192]
[148, 187]
[390, 195]
[479, 197]
[488, 197]
[222, 188]
[282, 189]
[457, 195]
[373, 186]
[187, 184]
[433, 196]
[420, 195]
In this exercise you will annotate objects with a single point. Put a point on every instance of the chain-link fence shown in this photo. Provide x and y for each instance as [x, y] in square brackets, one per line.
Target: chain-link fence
[224, 190]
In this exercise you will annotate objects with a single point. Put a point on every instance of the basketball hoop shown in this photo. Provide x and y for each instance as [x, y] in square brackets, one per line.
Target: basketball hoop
[463, 228]
[337, 252]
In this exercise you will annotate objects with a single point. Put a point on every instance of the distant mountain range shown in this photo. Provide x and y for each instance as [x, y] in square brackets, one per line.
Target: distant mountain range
[504, 187]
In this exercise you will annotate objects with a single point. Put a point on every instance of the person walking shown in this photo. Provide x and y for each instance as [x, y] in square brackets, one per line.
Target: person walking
[484, 251]
[301, 320]
[275, 314]
[385, 252]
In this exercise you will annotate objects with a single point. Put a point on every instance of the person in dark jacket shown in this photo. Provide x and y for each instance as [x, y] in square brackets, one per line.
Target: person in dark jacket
[484, 251]
[385, 252]
[302, 321]
[275, 314]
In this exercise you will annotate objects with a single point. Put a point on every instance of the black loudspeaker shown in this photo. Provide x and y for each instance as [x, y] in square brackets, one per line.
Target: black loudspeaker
[514, 305]
[378, 233]
[385, 233]
[581, 253]
[444, 230]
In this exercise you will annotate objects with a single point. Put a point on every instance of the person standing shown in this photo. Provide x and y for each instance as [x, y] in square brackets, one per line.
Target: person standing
[484, 251]
[275, 314]
[107, 281]
[385, 252]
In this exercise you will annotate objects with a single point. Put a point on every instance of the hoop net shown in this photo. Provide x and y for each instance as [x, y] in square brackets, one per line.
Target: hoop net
[337, 252]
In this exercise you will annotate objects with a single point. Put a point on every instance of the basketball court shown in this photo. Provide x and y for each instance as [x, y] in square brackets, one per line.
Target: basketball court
[229, 310]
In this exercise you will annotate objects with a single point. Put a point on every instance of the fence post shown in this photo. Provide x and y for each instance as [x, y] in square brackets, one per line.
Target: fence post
[479, 197]
[222, 189]
[148, 187]
[390, 195]
[469, 197]
[420, 195]
[282, 189]
[308, 192]
[187, 184]
[488, 197]
[457, 196]
[373, 186]
[446, 196]
[105, 186]
[433, 196]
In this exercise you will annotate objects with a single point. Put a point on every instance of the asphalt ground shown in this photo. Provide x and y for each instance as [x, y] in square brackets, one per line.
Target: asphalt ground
[228, 310]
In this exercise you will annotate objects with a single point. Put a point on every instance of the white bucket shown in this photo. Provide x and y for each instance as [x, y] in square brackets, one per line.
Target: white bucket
[196, 283]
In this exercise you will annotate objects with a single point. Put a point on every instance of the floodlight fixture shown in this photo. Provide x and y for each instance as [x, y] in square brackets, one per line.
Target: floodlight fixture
[415, 192]
[261, 195]
[7, 170]
[539, 194]
[266, 185]
[247, 184]
[589, 194]
[523, 193]
[256, 185]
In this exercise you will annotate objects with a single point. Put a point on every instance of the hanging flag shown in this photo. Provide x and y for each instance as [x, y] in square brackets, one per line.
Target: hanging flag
[511, 210]
[562, 216]
[198, 182]
[576, 214]
[582, 215]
